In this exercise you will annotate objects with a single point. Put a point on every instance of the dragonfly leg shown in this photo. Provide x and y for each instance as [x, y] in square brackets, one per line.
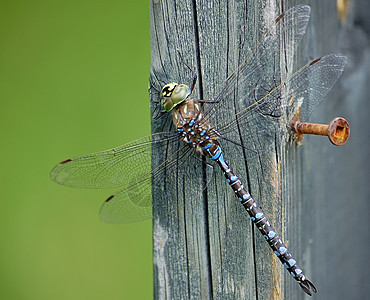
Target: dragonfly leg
[195, 75]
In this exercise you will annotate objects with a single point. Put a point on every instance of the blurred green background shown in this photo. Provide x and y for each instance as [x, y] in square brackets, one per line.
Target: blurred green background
[73, 80]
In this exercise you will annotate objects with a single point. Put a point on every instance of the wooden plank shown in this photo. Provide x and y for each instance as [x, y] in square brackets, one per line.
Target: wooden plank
[209, 249]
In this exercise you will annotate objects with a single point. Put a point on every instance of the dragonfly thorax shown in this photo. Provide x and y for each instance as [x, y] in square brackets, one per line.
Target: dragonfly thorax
[193, 128]
[174, 94]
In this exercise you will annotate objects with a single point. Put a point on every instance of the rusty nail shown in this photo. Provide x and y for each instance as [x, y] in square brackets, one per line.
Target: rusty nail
[337, 130]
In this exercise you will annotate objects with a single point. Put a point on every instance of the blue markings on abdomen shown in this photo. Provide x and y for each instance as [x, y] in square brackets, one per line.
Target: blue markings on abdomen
[271, 234]
[259, 215]
[258, 218]
[209, 145]
[282, 250]
[218, 153]
[233, 178]
[291, 262]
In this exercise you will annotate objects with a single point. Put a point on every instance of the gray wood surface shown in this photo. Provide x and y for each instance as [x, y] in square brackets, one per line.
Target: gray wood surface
[336, 189]
[205, 246]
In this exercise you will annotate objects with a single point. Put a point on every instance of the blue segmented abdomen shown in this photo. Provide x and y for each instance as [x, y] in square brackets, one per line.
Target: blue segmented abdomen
[213, 150]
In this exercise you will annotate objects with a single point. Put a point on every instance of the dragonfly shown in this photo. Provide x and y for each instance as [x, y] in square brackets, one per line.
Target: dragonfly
[199, 131]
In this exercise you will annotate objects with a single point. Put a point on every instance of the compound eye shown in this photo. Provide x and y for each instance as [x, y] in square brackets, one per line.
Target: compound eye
[180, 93]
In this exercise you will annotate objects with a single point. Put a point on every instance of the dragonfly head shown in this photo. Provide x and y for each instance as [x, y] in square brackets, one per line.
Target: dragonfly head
[173, 94]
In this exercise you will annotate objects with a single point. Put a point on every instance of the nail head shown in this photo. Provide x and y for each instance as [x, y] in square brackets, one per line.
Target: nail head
[338, 131]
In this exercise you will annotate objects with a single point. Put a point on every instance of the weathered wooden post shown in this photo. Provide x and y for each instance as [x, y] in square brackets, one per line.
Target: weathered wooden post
[205, 245]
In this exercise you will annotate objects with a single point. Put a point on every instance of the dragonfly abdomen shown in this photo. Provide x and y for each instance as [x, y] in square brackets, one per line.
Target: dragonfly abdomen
[214, 151]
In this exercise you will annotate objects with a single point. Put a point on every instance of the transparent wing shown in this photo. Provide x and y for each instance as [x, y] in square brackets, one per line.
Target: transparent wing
[132, 167]
[292, 23]
[304, 90]
[134, 202]
[115, 167]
